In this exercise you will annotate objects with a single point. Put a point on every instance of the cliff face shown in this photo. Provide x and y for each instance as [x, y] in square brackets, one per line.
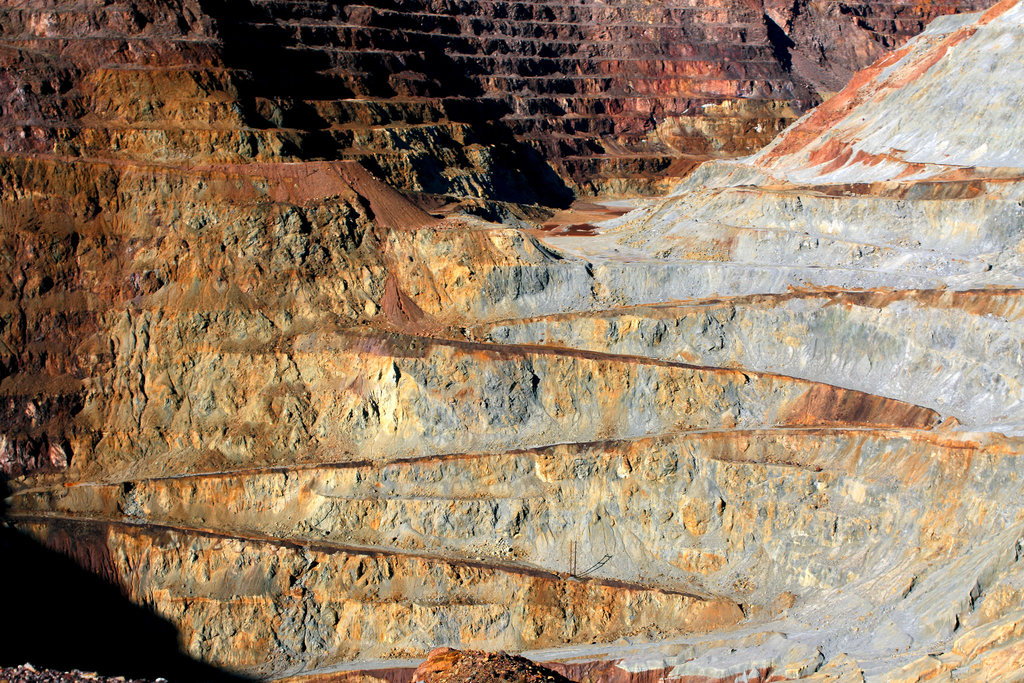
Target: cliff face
[770, 423]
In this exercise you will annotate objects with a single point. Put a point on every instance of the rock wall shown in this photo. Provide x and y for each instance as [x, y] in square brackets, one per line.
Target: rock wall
[768, 426]
[504, 101]
[262, 339]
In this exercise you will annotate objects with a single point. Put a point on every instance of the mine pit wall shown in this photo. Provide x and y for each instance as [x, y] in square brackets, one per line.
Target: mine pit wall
[799, 239]
[683, 513]
[318, 397]
[141, 282]
[267, 608]
[179, 372]
[215, 370]
[88, 243]
[175, 371]
[501, 101]
[968, 369]
[267, 592]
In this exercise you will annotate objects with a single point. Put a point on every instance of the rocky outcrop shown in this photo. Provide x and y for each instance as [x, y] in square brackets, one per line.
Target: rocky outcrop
[825, 43]
[768, 426]
[446, 665]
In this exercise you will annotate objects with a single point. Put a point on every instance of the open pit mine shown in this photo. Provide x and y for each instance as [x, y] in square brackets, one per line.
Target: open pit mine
[655, 341]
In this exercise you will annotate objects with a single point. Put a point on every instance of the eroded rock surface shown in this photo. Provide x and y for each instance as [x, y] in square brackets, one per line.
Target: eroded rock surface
[766, 427]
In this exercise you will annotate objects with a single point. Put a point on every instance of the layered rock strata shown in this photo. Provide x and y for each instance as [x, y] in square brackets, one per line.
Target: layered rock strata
[768, 426]
[452, 100]
[868, 190]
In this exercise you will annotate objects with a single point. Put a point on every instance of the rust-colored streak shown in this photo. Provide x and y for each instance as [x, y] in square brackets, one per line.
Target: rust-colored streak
[391, 209]
[831, 111]
[864, 85]
[402, 312]
[398, 674]
[570, 230]
[312, 181]
[607, 671]
[824, 404]
[996, 10]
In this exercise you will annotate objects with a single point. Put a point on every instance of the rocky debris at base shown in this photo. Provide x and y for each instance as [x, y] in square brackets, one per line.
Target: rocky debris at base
[447, 665]
[26, 673]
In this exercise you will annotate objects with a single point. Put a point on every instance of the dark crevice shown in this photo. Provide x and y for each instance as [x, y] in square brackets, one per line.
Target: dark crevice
[782, 44]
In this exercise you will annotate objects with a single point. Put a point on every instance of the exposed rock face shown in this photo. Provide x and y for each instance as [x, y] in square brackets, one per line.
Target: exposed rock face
[771, 423]
[825, 43]
[870, 189]
[457, 99]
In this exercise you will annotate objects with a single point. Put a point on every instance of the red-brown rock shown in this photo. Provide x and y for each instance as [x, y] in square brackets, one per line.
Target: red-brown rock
[447, 665]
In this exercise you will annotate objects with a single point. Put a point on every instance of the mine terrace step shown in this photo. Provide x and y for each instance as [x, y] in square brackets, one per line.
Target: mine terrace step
[678, 88]
[809, 433]
[669, 37]
[540, 12]
[609, 105]
[108, 126]
[330, 548]
[113, 38]
[582, 44]
[529, 11]
[461, 23]
[538, 49]
[485, 7]
[382, 40]
[659, 60]
[582, 118]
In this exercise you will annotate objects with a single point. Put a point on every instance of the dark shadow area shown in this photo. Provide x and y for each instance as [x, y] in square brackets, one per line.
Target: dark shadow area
[329, 72]
[59, 616]
[782, 44]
